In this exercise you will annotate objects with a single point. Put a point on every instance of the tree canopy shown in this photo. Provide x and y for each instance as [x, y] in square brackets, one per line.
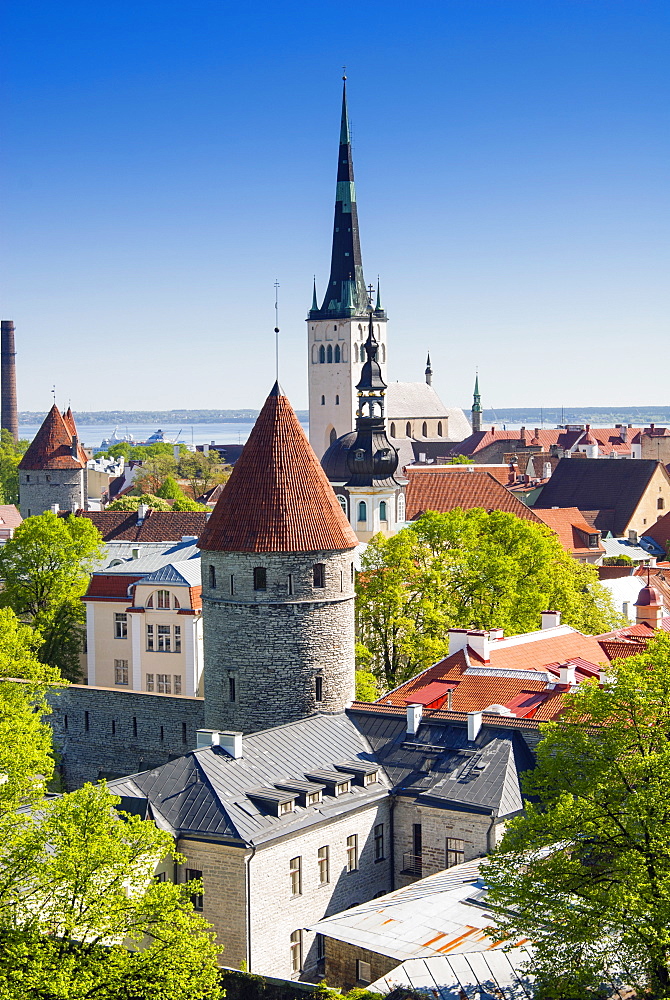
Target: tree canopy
[45, 568]
[584, 872]
[130, 503]
[466, 569]
[11, 452]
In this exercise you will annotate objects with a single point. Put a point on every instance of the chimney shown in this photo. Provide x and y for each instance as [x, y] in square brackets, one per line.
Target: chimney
[458, 639]
[142, 511]
[229, 741]
[55, 508]
[205, 449]
[546, 470]
[175, 452]
[566, 674]
[550, 619]
[624, 433]
[136, 553]
[479, 643]
[496, 633]
[10, 415]
[414, 713]
[522, 435]
[474, 724]
[537, 432]
[75, 446]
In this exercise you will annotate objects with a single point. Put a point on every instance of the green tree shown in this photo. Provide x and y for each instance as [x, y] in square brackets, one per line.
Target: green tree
[11, 452]
[367, 688]
[150, 477]
[170, 490]
[45, 568]
[130, 503]
[467, 569]
[82, 916]
[202, 471]
[461, 460]
[584, 872]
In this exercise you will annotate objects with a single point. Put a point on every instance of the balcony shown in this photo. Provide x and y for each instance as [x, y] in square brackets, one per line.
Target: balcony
[411, 865]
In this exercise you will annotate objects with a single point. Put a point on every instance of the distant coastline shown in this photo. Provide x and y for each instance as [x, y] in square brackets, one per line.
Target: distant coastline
[605, 416]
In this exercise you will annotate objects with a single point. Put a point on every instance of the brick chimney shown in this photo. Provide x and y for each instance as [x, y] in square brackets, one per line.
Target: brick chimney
[10, 416]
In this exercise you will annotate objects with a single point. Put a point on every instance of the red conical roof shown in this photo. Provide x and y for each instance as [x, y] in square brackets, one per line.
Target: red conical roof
[51, 447]
[278, 498]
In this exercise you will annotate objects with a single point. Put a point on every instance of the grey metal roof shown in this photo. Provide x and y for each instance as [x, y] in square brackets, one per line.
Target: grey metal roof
[488, 975]
[151, 556]
[185, 573]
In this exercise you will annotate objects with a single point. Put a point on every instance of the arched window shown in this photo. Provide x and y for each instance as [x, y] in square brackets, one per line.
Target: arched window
[392, 430]
[315, 354]
[322, 355]
[355, 352]
[212, 577]
[335, 327]
[329, 354]
[382, 511]
[660, 503]
[401, 507]
[333, 435]
[408, 429]
[323, 400]
[343, 504]
[424, 429]
[338, 353]
[439, 428]
[260, 578]
[337, 401]
[163, 599]
[362, 511]
[382, 353]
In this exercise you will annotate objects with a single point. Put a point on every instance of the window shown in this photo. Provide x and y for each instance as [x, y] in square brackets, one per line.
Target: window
[150, 638]
[160, 877]
[232, 584]
[48, 478]
[417, 839]
[113, 728]
[424, 429]
[371, 778]
[27, 479]
[319, 573]
[439, 428]
[120, 626]
[231, 689]
[289, 584]
[401, 506]
[318, 688]
[320, 947]
[86, 721]
[164, 638]
[314, 798]
[176, 680]
[332, 436]
[660, 503]
[150, 682]
[323, 400]
[150, 601]
[296, 951]
[362, 511]
[593, 541]
[121, 672]
[196, 898]
[164, 683]
[177, 640]
[338, 354]
[342, 788]
[353, 573]
[212, 577]
[135, 726]
[295, 871]
[260, 578]
[355, 352]
[392, 430]
[337, 400]
[322, 355]
[183, 732]
[329, 354]
[285, 807]
[382, 511]
[455, 853]
[408, 429]
[379, 842]
[323, 855]
[352, 852]
[363, 971]
[163, 599]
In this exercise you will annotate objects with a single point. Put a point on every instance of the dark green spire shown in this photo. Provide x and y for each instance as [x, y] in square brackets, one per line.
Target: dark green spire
[379, 297]
[315, 305]
[476, 407]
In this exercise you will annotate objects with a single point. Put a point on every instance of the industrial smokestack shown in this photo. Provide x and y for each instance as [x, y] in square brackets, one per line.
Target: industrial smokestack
[9, 417]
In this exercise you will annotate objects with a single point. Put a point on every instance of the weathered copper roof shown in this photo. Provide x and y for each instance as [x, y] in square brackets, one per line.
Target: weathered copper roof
[52, 446]
[278, 498]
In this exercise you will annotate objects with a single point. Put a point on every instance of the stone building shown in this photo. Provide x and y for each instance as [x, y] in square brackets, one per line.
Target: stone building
[277, 584]
[53, 470]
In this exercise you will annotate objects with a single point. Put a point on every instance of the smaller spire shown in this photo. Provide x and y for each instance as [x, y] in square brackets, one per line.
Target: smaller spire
[379, 297]
[315, 304]
[476, 406]
[429, 371]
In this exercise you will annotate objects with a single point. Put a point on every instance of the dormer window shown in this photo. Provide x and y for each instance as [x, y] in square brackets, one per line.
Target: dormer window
[370, 778]
[285, 807]
[314, 798]
[359, 455]
[593, 541]
[342, 787]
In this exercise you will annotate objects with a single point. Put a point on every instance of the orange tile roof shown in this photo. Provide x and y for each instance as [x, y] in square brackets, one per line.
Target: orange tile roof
[568, 522]
[278, 498]
[442, 491]
[51, 447]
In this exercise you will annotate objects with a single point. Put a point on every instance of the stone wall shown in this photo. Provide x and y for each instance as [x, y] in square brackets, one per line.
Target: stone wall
[274, 651]
[108, 732]
[341, 967]
[39, 490]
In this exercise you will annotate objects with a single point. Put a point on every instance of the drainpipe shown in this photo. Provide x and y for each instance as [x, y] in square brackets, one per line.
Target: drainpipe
[248, 861]
[392, 840]
[490, 839]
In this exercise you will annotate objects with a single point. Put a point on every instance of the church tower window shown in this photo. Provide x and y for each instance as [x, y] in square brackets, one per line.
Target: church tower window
[343, 504]
[401, 507]
[424, 429]
[260, 578]
[333, 435]
[337, 401]
[392, 430]
[338, 354]
[408, 429]
[329, 354]
[362, 511]
[322, 355]
[439, 428]
[382, 511]
[323, 400]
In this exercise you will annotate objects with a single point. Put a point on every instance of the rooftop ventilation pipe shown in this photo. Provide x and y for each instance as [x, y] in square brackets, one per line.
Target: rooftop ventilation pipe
[231, 742]
[414, 713]
[142, 511]
[550, 619]
[458, 639]
[566, 674]
[478, 640]
[474, 724]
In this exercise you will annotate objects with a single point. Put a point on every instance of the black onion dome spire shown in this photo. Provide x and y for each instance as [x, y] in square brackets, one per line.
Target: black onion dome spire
[371, 373]
[346, 294]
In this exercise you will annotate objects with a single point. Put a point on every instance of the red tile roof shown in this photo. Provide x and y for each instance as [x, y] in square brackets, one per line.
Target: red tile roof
[9, 515]
[51, 447]
[110, 585]
[570, 526]
[660, 531]
[157, 526]
[278, 498]
[442, 489]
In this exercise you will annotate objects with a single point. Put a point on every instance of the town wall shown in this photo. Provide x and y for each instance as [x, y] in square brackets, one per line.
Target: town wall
[108, 732]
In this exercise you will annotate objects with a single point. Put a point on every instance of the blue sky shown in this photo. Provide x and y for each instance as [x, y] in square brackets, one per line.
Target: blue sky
[163, 163]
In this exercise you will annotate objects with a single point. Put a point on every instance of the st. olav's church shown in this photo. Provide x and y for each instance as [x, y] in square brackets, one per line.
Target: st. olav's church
[365, 428]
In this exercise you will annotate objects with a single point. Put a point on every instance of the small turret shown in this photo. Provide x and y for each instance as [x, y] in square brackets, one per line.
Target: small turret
[429, 371]
[476, 407]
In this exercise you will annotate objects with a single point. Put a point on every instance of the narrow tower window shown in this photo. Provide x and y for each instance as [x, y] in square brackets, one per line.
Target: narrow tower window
[392, 430]
[231, 689]
[362, 511]
[319, 571]
[401, 507]
[439, 428]
[232, 584]
[337, 401]
[323, 400]
[322, 355]
[343, 504]
[318, 688]
[338, 354]
[260, 578]
[355, 352]
[408, 429]
[212, 577]
[290, 583]
[329, 354]
[382, 511]
[424, 429]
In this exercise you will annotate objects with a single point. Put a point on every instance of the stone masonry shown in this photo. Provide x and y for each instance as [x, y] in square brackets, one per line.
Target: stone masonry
[38, 491]
[276, 651]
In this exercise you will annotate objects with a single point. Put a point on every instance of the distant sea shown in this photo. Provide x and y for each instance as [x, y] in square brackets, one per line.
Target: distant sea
[93, 434]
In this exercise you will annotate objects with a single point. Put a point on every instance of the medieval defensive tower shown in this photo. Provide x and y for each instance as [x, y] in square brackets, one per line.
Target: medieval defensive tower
[9, 416]
[277, 584]
[53, 470]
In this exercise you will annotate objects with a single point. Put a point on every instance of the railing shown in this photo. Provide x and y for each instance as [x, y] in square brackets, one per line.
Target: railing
[411, 864]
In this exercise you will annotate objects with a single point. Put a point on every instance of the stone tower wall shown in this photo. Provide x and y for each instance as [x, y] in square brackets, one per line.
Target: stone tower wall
[274, 644]
[39, 490]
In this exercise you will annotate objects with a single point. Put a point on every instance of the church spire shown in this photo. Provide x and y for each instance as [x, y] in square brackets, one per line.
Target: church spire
[346, 294]
[429, 371]
[476, 406]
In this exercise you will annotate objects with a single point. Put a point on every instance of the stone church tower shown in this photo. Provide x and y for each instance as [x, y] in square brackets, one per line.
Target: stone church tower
[337, 330]
[53, 470]
[277, 584]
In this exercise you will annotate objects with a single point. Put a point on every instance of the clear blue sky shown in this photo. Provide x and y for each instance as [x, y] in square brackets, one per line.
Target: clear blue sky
[164, 162]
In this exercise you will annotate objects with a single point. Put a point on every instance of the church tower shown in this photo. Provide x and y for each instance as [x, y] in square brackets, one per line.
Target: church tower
[337, 330]
[277, 584]
[476, 408]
